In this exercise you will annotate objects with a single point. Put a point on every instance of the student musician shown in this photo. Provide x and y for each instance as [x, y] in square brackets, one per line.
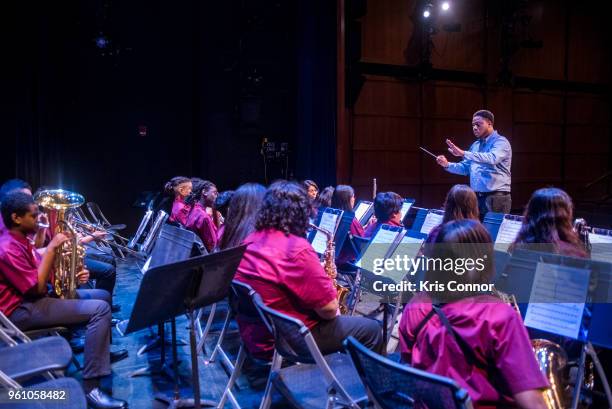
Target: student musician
[241, 215]
[387, 210]
[547, 225]
[198, 219]
[344, 199]
[471, 337]
[461, 203]
[24, 275]
[179, 187]
[281, 265]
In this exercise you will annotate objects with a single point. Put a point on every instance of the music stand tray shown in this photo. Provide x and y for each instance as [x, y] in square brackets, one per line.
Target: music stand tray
[170, 290]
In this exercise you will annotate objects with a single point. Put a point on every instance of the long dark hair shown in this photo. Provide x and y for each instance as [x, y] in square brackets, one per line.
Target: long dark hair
[173, 183]
[241, 214]
[286, 208]
[325, 197]
[459, 241]
[548, 220]
[341, 199]
[461, 203]
[199, 186]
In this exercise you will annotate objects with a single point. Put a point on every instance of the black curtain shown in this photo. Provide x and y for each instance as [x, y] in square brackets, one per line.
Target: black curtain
[316, 119]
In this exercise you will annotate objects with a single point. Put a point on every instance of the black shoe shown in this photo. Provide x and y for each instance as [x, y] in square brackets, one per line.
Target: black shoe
[116, 356]
[97, 399]
[115, 308]
[77, 345]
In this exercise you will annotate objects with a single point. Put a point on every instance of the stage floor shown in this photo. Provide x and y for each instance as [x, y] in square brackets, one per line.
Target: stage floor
[140, 391]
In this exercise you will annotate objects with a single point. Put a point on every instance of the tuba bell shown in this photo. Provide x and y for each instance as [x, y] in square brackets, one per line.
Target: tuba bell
[69, 255]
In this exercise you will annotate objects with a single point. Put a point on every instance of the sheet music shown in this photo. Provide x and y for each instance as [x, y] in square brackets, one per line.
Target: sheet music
[405, 207]
[553, 305]
[408, 247]
[378, 247]
[508, 230]
[361, 209]
[431, 220]
[328, 222]
[601, 248]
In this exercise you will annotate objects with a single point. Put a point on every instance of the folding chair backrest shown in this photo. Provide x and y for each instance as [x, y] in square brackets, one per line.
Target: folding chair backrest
[393, 385]
[241, 301]
[96, 214]
[289, 333]
[9, 333]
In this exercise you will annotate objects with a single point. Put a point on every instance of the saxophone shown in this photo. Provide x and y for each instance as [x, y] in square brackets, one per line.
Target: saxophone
[70, 254]
[329, 265]
[551, 358]
[582, 229]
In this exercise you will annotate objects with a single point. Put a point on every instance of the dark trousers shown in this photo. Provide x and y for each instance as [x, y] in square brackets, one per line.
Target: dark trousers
[329, 335]
[92, 309]
[101, 270]
[498, 202]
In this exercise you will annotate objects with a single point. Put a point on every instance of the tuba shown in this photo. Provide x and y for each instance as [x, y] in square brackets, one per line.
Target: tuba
[69, 255]
[329, 265]
[551, 358]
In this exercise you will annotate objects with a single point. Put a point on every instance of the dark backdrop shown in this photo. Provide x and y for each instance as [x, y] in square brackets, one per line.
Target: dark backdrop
[208, 81]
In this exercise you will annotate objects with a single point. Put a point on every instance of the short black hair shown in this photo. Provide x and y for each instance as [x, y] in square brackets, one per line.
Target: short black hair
[286, 208]
[483, 113]
[15, 202]
[385, 205]
[13, 184]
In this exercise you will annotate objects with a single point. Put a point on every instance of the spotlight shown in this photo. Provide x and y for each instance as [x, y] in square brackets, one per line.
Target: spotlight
[445, 5]
[101, 41]
[427, 10]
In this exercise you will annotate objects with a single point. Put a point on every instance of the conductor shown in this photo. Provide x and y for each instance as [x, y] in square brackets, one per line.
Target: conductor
[487, 162]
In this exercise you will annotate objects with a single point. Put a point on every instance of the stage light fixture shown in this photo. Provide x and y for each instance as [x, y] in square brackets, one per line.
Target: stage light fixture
[427, 10]
[445, 5]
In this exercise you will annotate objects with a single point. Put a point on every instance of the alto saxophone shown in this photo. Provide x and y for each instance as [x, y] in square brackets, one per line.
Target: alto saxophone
[329, 265]
[69, 256]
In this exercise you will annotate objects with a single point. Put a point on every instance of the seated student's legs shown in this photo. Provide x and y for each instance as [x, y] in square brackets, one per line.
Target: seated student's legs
[329, 335]
[96, 314]
[104, 273]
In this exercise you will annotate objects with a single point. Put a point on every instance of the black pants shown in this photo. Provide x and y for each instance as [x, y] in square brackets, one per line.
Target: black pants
[498, 202]
[329, 335]
[92, 309]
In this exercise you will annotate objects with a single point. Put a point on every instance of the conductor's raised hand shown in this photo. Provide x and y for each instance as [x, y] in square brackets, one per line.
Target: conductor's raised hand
[442, 161]
[454, 149]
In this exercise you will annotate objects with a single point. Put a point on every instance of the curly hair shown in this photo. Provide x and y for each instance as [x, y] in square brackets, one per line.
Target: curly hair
[461, 203]
[548, 220]
[222, 202]
[286, 208]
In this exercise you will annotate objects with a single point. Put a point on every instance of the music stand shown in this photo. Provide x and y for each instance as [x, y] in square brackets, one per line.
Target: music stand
[195, 283]
[172, 245]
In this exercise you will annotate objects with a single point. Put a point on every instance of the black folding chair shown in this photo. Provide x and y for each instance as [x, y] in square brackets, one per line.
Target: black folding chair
[395, 386]
[319, 381]
[71, 393]
[22, 358]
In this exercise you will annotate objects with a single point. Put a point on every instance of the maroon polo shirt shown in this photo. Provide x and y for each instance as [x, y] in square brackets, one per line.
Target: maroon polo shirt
[369, 231]
[19, 262]
[356, 228]
[180, 210]
[287, 274]
[493, 330]
[200, 222]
